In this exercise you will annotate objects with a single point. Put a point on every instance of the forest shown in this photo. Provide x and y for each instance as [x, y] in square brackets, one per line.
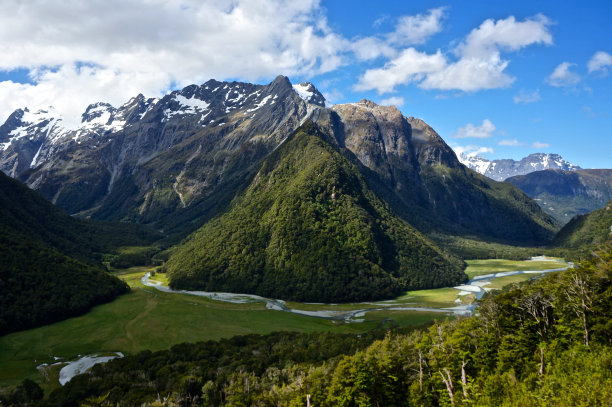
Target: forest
[547, 342]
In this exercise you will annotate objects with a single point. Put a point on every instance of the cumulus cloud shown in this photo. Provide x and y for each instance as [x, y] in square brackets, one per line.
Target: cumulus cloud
[540, 145]
[396, 101]
[152, 45]
[505, 35]
[411, 30]
[562, 76]
[511, 143]
[526, 98]
[485, 130]
[479, 63]
[410, 66]
[600, 62]
[471, 151]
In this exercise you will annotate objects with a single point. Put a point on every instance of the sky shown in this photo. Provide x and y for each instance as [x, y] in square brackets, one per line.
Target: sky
[497, 79]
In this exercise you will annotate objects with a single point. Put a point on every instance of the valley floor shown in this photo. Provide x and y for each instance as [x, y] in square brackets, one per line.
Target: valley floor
[152, 317]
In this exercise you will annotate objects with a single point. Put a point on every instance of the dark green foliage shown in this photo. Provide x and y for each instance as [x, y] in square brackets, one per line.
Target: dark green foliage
[189, 370]
[49, 261]
[547, 342]
[586, 231]
[134, 256]
[309, 229]
[28, 393]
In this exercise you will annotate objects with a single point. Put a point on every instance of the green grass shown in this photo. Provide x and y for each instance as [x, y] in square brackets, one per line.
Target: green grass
[501, 282]
[150, 319]
[490, 266]
[436, 298]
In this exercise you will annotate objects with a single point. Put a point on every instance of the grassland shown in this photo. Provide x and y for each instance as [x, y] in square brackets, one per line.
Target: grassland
[150, 319]
[490, 266]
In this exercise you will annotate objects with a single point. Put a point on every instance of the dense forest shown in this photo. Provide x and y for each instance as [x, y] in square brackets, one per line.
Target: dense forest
[547, 342]
[309, 229]
[51, 265]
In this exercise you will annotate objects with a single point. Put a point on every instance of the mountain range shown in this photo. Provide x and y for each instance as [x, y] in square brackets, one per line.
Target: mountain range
[500, 170]
[211, 151]
[565, 194]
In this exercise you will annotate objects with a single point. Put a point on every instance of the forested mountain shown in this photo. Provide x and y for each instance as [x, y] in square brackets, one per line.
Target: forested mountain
[49, 267]
[546, 342]
[308, 228]
[585, 231]
[176, 162]
[564, 194]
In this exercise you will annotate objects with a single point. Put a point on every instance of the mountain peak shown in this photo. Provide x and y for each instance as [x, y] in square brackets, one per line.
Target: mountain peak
[309, 93]
[500, 170]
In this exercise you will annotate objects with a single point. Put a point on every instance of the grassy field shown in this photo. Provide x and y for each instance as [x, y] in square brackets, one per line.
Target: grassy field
[147, 318]
[480, 267]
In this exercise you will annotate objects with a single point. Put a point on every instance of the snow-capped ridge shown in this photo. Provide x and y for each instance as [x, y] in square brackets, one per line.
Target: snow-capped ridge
[500, 170]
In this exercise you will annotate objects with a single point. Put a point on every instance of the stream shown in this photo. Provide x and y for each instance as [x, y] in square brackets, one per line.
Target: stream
[474, 286]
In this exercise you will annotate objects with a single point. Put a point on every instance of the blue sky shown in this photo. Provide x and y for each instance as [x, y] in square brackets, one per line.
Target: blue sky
[501, 79]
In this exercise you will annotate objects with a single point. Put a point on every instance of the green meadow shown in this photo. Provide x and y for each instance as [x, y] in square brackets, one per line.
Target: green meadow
[147, 318]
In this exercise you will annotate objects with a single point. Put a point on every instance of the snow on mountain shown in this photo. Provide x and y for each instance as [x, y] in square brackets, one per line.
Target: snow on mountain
[309, 93]
[500, 170]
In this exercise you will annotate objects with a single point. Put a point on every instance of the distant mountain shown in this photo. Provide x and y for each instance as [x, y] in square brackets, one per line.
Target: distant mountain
[176, 162]
[308, 228]
[500, 170]
[564, 194]
[48, 268]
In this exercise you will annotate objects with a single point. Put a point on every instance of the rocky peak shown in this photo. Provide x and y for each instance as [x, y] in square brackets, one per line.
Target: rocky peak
[98, 113]
[430, 148]
[309, 93]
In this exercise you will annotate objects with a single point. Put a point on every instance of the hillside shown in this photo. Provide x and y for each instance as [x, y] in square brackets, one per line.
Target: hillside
[308, 228]
[564, 194]
[585, 231]
[50, 269]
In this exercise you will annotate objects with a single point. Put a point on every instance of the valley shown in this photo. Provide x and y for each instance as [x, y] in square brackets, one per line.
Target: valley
[151, 319]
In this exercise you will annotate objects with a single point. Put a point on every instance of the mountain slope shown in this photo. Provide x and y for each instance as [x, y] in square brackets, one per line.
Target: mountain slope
[415, 170]
[500, 170]
[308, 228]
[564, 194]
[176, 162]
[586, 231]
[48, 269]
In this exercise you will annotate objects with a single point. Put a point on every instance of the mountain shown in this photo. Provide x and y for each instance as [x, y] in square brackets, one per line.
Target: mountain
[564, 194]
[176, 162]
[584, 232]
[49, 268]
[308, 228]
[500, 170]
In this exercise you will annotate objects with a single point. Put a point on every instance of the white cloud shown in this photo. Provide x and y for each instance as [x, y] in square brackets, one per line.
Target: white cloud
[371, 48]
[539, 145]
[485, 130]
[562, 75]
[471, 151]
[150, 45]
[511, 143]
[600, 62]
[479, 64]
[410, 66]
[505, 35]
[396, 101]
[469, 75]
[525, 98]
[411, 30]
